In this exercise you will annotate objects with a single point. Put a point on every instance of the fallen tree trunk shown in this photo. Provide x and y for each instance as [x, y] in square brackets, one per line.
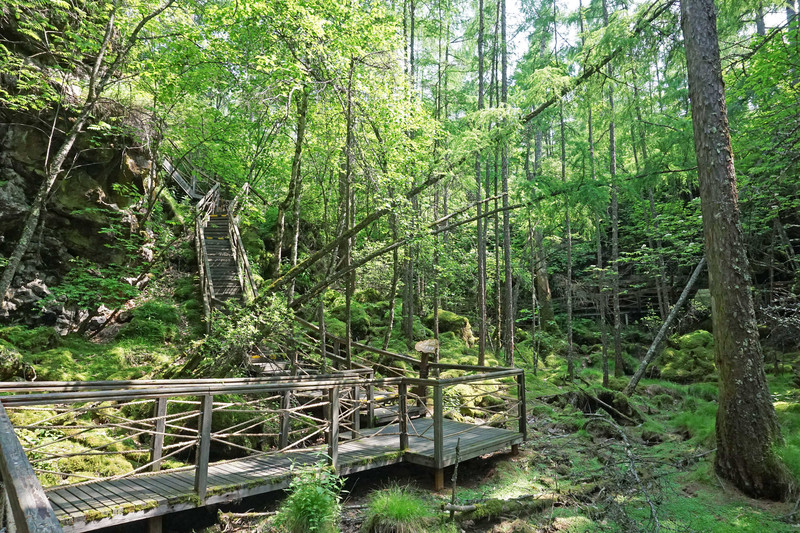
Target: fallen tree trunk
[651, 352]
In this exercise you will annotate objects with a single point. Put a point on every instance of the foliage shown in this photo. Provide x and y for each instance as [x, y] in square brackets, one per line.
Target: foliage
[398, 509]
[312, 505]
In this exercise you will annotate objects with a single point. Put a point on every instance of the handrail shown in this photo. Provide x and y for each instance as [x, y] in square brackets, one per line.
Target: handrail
[242, 263]
[188, 424]
[360, 346]
[30, 508]
[190, 190]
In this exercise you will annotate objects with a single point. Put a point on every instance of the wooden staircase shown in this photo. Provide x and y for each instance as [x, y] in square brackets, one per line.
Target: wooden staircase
[223, 271]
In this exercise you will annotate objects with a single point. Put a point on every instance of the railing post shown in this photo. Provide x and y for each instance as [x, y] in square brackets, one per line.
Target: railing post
[403, 394]
[285, 419]
[438, 437]
[204, 435]
[333, 428]
[157, 442]
[521, 409]
[356, 411]
[371, 403]
[423, 374]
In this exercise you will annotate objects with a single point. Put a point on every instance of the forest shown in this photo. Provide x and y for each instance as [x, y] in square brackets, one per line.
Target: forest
[604, 194]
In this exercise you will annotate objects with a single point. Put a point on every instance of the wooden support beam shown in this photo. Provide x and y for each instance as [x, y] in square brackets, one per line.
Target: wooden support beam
[403, 408]
[356, 411]
[333, 428]
[522, 409]
[286, 403]
[438, 428]
[157, 442]
[204, 447]
[438, 479]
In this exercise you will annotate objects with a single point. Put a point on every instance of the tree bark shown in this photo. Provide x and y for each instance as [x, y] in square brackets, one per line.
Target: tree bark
[481, 296]
[747, 429]
[568, 231]
[508, 293]
[612, 155]
[296, 178]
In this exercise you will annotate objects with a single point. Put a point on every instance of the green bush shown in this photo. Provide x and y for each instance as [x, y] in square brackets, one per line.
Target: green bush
[398, 510]
[313, 502]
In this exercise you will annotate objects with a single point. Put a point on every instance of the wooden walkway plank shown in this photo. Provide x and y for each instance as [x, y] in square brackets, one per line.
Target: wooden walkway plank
[89, 506]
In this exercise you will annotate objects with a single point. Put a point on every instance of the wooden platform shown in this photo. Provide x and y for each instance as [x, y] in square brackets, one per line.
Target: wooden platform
[90, 506]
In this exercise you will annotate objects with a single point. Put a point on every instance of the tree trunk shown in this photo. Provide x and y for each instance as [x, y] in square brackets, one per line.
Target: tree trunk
[481, 296]
[296, 178]
[508, 294]
[747, 429]
[568, 231]
[612, 155]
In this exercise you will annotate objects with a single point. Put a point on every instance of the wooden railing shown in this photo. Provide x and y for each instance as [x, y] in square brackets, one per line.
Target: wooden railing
[386, 362]
[31, 511]
[60, 431]
[161, 425]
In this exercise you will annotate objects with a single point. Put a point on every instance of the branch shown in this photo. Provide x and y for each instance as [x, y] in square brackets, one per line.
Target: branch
[594, 69]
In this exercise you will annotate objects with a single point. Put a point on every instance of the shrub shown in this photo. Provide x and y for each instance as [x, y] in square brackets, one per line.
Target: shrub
[398, 510]
[313, 501]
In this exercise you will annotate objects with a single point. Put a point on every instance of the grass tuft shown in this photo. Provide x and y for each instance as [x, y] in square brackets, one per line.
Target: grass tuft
[398, 510]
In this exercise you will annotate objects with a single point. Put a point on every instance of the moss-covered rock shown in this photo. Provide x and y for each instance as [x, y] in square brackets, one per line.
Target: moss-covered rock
[11, 365]
[689, 358]
[56, 365]
[695, 339]
[359, 319]
[33, 340]
[367, 296]
[449, 321]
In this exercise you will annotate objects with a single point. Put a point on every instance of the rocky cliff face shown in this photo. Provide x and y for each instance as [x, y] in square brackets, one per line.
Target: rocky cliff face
[103, 177]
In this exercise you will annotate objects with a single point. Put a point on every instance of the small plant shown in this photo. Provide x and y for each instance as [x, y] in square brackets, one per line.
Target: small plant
[398, 510]
[313, 501]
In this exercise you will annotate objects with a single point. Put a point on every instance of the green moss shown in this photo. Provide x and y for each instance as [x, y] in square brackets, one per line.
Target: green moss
[31, 340]
[367, 296]
[59, 364]
[689, 364]
[695, 339]
[359, 319]
[451, 322]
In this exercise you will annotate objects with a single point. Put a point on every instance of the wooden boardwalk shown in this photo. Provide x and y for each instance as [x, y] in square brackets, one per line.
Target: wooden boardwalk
[90, 506]
[270, 424]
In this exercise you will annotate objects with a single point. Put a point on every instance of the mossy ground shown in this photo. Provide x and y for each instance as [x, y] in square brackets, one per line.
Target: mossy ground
[152, 339]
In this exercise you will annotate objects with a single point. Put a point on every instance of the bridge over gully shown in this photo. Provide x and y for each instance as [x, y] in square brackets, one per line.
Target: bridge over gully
[172, 445]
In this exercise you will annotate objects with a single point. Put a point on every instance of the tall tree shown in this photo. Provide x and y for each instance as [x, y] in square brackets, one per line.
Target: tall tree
[745, 407]
[481, 297]
[508, 295]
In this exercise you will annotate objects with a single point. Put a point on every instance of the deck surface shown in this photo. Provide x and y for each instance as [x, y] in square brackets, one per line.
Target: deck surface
[89, 506]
